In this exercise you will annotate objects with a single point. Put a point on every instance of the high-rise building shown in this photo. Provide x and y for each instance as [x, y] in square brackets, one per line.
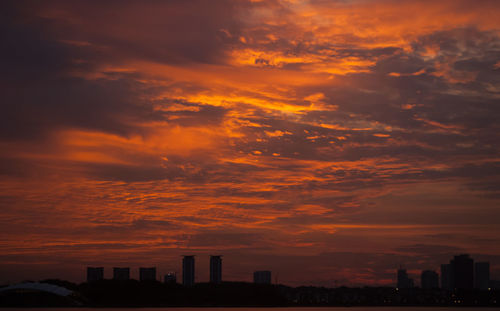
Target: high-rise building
[121, 274]
[147, 274]
[403, 281]
[482, 275]
[462, 269]
[215, 269]
[95, 274]
[170, 278]
[429, 279]
[262, 277]
[446, 277]
[188, 271]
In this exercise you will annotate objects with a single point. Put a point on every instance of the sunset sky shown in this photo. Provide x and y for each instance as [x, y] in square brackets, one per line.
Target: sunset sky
[328, 141]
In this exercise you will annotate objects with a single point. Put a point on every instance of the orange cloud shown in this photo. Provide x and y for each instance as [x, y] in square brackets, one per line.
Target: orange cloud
[261, 129]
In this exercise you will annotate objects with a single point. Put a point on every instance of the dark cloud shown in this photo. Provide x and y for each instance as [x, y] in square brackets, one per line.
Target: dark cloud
[39, 94]
[43, 52]
[167, 32]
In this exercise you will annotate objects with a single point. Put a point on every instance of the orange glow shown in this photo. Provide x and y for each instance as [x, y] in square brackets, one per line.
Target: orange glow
[260, 129]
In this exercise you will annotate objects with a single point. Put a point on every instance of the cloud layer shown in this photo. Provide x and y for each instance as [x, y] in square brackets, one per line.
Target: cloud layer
[323, 140]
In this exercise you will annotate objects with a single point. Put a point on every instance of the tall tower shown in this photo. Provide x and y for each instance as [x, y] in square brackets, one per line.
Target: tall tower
[215, 269]
[403, 280]
[462, 267]
[188, 271]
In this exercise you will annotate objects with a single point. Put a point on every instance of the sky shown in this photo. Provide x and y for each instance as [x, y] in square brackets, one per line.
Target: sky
[327, 141]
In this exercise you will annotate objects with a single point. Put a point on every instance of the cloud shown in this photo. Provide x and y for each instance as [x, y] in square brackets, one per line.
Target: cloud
[264, 130]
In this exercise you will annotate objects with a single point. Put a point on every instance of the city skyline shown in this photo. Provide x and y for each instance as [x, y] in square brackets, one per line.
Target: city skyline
[328, 142]
[461, 273]
[202, 271]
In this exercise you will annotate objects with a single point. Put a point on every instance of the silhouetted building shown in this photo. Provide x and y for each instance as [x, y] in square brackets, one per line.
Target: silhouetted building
[482, 275]
[429, 279]
[188, 271]
[262, 277]
[95, 274]
[147, 274]
[121, 274]
[170, 278]
[462, 269]
[446, 277]
[215, 269]
[403, 280]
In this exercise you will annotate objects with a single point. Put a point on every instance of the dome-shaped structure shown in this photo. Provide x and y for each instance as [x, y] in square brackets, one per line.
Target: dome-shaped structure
[33, 294]
[43, 287]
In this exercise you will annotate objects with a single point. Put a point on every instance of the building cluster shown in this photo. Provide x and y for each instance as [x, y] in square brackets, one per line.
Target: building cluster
[120, 273]
[188, 270]
[188, 273]
[460, 273]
